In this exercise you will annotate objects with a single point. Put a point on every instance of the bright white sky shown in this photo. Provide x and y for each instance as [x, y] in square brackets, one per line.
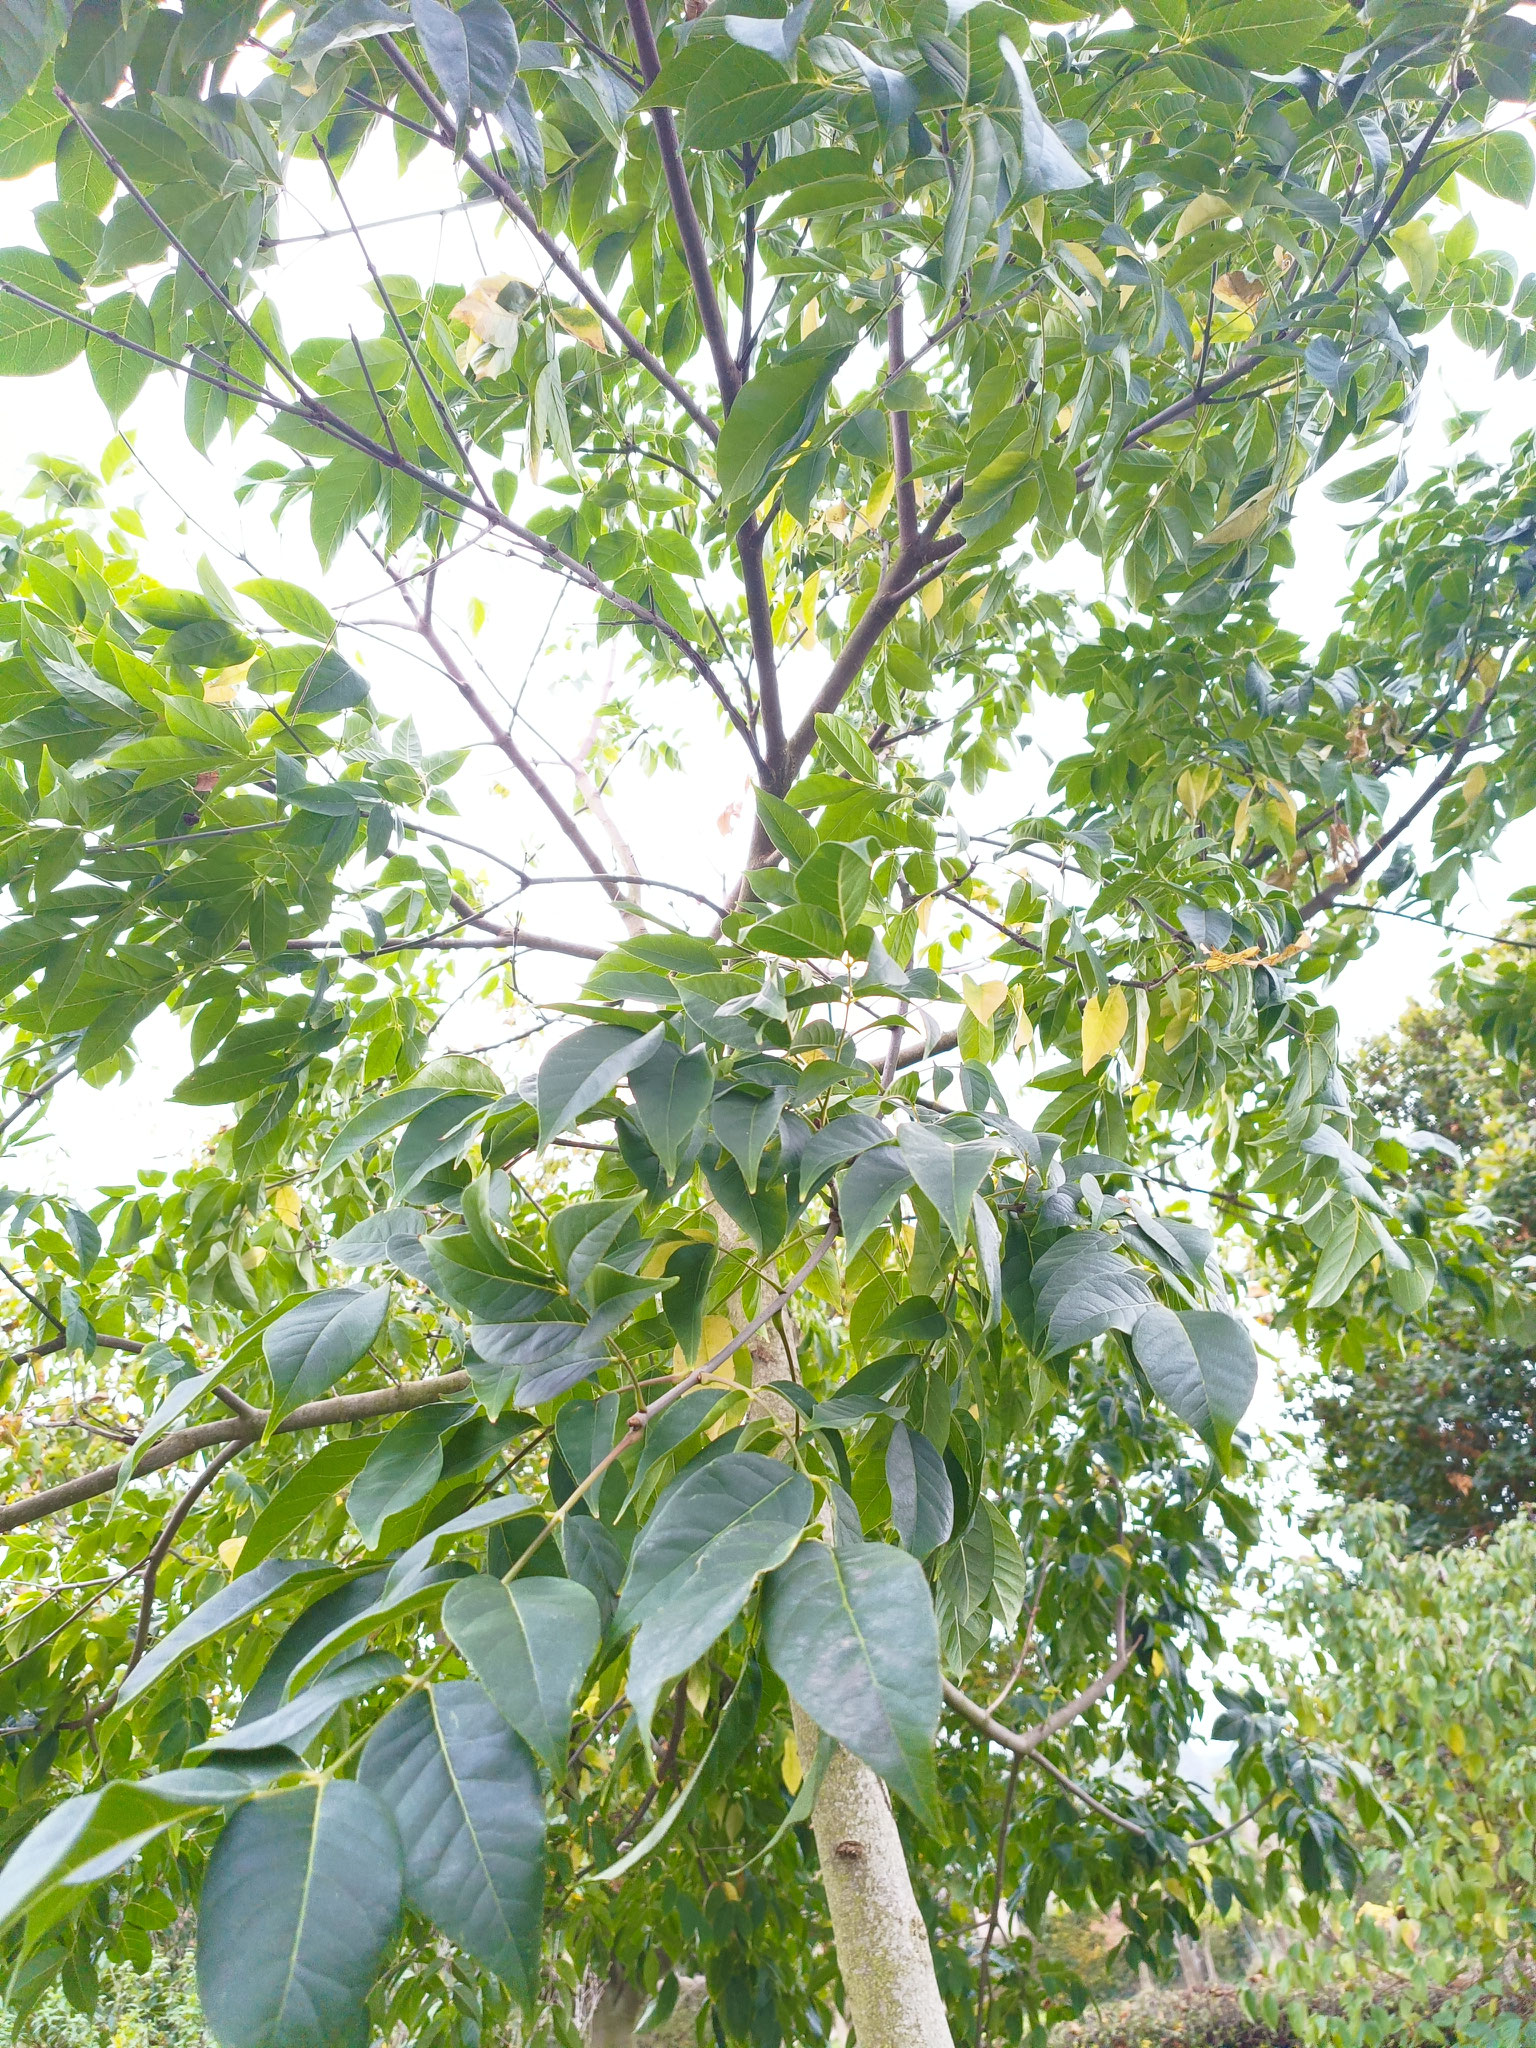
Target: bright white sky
[682, 826]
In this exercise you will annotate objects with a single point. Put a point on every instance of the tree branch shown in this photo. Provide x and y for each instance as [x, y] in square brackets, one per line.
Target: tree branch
[901, 431]
[184, 1443]
[163, 1542]
[509, 196]
[1325, 897]
[690, 233]
[1005, 1738]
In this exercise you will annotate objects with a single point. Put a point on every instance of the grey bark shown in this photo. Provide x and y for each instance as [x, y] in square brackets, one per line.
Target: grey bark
[883, 1954]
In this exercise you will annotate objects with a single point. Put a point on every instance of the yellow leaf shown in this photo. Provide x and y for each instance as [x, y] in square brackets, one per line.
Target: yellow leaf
[585, 325]
[1475, 784]
[224, 688]
[1139, 1058]
[698, 1688]
[808, 599]
[1201, 211]
[1104, 1026]
[879, 500]
[789, 1766]
[1456, 1739]
[288, 1205]
[1023, 1030]
[229, 1552]
[810, 318]
[1240, 822]
[1239, 289]
[932, 598]
[1033, 211]
[1281, 809]
[1244, 522]
[1419, 253]
[1196, 787]
[1087, 259]
[983, 998]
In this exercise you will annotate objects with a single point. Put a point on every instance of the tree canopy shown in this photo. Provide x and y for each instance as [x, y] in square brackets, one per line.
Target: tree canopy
[1440, 1418]
[541, 1502]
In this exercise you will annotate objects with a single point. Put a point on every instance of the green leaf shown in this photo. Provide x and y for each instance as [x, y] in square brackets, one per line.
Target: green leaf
[672, 1430]
[792, 834]
[530, 1643]
[29, 133]
[835, 879]
[866, 1193]
[744, 94]
[775, 411]
[671, 1090]
[852, 1634]
[230, 1604]
[87, 1838]
[1045, 162]
[810, 167]
[465, 1795]
[710, 1537]
[947, 1173]
[404, 1467]
[744, 1123]
[582, 1068]
[1411, 1286]
[1503, 165]
[290, 605]
[118, 374]
[1264, 35]
[1419, 253]
[1083, 1288]
[1351, 1244]
[308, 1349]
[295, 1724]
[976, 201]
[300, 1904]
[683, 1305]
[33, 339]
[922, 1499]
[344, 492]
[1202, 1364]
[30, 32]
[324, 1474]
[397, 1600]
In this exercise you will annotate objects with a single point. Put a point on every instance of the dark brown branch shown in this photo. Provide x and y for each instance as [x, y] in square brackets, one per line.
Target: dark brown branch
[509, 196]
[685, 214]
[1325, 897]
[165, 1539]
[1204, 393]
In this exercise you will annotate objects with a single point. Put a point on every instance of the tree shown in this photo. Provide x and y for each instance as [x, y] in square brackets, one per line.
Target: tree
[1442, 1421]
[1417, 1662]
[833, 1396]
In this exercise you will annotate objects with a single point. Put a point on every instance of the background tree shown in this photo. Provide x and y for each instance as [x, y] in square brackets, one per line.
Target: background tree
[1414, 1661]
[1444, 1421]
[751, 1371]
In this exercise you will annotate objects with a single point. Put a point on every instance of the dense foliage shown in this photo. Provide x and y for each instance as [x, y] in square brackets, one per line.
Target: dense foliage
[1443, 1419]
[1417, 1664]
[584, 1465]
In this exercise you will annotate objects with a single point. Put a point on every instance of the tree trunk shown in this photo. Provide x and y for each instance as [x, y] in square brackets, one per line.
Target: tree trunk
[883, 1954]
[881, 1941]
